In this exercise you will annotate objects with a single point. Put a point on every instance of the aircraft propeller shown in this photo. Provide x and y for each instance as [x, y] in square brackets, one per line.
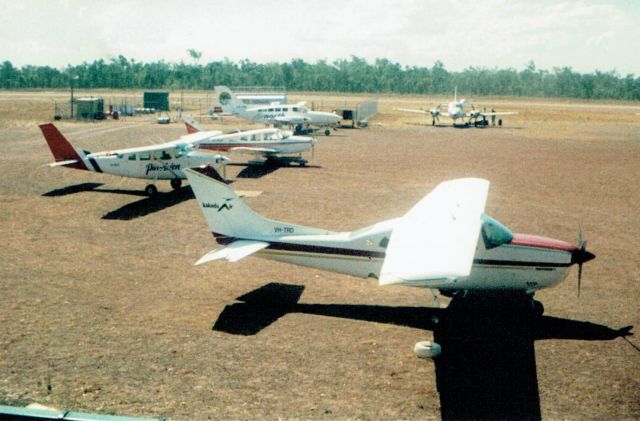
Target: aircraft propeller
[580, 256]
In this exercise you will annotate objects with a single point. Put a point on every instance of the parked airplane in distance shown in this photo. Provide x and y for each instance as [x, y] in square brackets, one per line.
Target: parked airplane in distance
[158, 162]
[270, 143]
[456, 111]
[445, 242]
[295, 115]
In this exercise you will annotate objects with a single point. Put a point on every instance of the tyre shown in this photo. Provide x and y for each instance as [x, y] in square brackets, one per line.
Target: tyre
[151, 190]
[176, 183]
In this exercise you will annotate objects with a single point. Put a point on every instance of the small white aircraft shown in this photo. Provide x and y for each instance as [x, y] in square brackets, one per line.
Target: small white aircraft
[270, 143]
[445, 242]
[158, 162]
[297, 115]
[456, 111]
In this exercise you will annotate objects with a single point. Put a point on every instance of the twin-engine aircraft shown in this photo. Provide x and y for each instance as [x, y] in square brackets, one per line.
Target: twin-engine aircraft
[456, 111]
[158, 162]
[445, 242]
[297, 115]
[270, 143]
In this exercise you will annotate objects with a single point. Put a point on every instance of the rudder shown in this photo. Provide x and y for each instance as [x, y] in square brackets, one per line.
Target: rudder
[60, 147]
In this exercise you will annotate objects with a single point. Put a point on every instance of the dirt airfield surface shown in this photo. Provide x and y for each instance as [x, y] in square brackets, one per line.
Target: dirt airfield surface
[102, 309]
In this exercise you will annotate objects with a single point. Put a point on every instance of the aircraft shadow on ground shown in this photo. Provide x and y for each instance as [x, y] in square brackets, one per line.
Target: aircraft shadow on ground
[149, 205]
[260, 170]
[145, 206]
[76, 188]
[487, 369]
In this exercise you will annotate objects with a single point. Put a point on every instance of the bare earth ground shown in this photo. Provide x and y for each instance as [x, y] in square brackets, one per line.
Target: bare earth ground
[102, 310]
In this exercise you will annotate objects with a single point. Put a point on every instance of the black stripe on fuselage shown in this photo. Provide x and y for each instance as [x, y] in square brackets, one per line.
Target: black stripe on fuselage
[94, 164]
[306, 248]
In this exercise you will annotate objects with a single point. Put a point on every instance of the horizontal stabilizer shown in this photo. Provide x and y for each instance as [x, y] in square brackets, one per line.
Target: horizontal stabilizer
[437, 238]
[234, 251]
[63, 163]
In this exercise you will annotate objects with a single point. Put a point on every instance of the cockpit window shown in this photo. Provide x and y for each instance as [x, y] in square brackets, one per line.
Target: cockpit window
[296, 109]
[132, 157]
[145, 156]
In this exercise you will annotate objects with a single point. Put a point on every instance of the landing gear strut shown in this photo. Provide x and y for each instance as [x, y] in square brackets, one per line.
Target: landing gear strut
[176, 183]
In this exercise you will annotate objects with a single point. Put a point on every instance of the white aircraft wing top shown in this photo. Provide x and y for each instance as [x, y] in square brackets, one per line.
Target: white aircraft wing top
[489, 113]
[292, 119]
[234, 251]
[251, 150]
[437, 238]
[411, 110]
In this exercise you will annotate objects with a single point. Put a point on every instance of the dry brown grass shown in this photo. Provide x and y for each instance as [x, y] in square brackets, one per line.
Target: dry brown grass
[114, 316]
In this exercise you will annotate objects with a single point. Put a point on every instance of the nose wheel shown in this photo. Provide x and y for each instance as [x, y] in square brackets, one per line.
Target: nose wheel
[151, 190]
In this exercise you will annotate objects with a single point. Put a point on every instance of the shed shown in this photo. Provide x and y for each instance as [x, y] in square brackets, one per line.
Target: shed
[157, 100]
[88, 108]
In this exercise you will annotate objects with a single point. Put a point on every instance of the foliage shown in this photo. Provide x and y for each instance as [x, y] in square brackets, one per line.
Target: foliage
[352, 75]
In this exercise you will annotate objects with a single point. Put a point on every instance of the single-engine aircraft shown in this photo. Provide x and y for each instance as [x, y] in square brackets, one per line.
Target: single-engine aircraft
[270, 143]
[164, 161]
[297, 115]
[456, 111]
[445, 242]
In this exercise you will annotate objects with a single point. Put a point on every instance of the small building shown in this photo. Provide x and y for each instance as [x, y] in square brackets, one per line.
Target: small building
[88, 108]
[158, 101]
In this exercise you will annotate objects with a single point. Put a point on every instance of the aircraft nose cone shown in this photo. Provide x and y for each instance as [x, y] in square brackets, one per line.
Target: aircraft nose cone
[581, 255]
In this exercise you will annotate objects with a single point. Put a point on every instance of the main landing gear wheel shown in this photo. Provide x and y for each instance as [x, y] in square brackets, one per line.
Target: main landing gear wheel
[151, 190]
[327, 132]
[176, 183]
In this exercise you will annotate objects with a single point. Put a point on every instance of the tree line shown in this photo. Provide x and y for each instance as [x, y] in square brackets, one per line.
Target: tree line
[345, 75]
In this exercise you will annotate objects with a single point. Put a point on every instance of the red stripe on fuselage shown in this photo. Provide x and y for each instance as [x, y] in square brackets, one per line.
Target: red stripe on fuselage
[527, 240]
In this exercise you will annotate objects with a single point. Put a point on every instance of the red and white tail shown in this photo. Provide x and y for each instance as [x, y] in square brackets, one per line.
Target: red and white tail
[63, 151]
[192, 125]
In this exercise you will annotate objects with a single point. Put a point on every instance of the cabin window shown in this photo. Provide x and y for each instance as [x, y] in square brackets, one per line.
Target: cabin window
[145, 156]
[278, 110]
[120, 156]
[285, 109]
[165, 156]
[296, 109]
[132, 157]
[270, 110]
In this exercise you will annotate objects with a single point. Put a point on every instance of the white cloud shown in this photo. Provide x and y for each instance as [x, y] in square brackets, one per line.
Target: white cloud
[585, 35]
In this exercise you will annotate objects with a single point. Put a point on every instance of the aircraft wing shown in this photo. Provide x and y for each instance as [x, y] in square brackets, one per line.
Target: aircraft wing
[62, 163]
[234, 251]
[489, 113]
[251, 150]
[437, 238]
[291, 120]
[411, 110]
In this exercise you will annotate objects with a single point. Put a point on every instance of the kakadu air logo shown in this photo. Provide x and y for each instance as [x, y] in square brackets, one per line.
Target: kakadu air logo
[226, 205]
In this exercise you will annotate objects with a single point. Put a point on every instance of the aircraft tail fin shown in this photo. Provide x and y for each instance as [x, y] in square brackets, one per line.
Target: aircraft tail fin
[228, 100]
[61, 148]
[230, 219]
[192, 125]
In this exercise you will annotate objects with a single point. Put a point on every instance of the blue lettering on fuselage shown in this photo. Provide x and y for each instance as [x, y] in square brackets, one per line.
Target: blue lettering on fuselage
[151, 167]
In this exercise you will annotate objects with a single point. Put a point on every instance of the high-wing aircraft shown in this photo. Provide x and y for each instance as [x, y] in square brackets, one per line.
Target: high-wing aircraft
[270, 143]
[296, 115]
[158, 162]
[445, 242]
[456, 111]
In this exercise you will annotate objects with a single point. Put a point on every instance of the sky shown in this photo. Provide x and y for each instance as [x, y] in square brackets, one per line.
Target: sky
[584, 35]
